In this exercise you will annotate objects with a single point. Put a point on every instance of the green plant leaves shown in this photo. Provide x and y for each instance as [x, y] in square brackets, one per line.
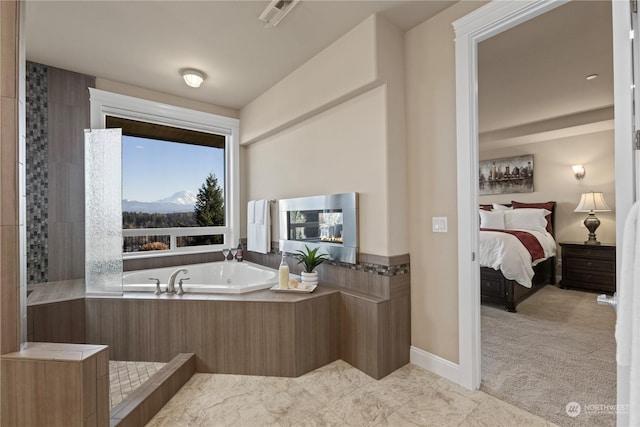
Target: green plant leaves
[310, 258]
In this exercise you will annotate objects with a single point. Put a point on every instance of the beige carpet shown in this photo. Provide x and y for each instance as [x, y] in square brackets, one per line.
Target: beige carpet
[558, 348]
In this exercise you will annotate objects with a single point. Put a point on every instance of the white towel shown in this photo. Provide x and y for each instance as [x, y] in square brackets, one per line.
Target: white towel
[261, 207]
[251, 212]
[259, 232]
[628, 320]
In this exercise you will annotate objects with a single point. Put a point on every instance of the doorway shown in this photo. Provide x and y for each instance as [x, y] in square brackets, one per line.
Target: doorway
[535, 102]
[480, 25]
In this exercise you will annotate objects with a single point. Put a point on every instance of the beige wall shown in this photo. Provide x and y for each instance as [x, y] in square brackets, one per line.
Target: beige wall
[345, 68]
[337, 151]
[334, 125]
[554, 180]
[151, 95]
[431, 138]
[390, 53]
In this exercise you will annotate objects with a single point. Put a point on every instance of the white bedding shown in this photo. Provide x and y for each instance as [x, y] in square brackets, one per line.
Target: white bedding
[504, 252]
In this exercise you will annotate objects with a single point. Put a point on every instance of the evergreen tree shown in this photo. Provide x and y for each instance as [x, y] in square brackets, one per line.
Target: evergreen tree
[209, 208]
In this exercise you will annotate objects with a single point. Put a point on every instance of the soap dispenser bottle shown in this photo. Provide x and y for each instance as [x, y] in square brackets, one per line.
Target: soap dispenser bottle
[283, 272]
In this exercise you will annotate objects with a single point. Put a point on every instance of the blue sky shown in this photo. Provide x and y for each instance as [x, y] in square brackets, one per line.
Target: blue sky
[153, 170]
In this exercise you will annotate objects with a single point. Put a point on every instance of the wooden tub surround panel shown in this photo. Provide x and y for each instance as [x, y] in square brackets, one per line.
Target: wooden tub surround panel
[59, 322]
[375, 333]
[375, 308]
[260, 333]
[56, 385]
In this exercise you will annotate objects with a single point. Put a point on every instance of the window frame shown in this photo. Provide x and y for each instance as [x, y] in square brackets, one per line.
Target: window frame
[105, 104]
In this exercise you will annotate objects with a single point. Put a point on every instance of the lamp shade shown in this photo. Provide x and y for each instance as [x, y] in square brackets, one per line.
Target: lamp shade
[592, 202]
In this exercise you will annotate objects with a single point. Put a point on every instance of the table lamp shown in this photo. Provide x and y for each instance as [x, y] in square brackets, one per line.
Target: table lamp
[592, 202]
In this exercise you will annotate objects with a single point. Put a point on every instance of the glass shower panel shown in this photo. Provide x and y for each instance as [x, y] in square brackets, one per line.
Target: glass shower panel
[103, 211]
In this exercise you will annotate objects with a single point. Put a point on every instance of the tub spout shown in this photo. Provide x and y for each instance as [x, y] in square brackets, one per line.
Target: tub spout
[171, 286]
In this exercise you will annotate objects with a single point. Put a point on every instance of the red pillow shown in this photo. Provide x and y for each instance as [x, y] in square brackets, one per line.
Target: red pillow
[486, 207]
[546, 205]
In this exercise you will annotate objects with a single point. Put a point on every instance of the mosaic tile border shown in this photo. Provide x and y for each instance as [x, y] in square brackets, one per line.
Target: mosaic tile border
[383, 270]
[37, 172]
[367, 267]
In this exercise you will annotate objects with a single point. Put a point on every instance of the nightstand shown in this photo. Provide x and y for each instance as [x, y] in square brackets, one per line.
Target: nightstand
[589, 267]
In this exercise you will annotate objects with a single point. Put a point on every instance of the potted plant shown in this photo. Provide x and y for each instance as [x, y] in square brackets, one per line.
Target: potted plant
[310, 259]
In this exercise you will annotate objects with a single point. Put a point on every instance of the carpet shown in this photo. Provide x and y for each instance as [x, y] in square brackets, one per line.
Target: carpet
[558, 348]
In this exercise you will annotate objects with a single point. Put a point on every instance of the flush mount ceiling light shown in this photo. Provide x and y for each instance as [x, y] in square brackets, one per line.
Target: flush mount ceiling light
[591, 76]
[276, 11]
[193, 78]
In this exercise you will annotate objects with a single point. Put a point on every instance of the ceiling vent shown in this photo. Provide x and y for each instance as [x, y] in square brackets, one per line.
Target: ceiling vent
[276, 11]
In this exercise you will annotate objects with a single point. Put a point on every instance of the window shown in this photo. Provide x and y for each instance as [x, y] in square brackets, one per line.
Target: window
[179, 176]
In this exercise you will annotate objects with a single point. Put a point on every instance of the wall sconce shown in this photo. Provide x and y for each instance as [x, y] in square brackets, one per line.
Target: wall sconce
[578, 171]
[193, 78]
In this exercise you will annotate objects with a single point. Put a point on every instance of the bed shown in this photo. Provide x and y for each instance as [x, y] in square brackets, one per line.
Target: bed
[503, 282]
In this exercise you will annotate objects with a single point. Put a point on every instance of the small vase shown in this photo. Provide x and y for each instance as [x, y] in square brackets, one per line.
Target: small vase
[310, 278]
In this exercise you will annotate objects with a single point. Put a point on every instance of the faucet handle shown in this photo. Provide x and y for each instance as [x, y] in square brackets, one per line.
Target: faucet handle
[158, 290]
[180, 290]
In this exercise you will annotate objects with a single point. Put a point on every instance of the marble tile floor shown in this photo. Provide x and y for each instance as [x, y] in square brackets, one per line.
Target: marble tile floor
[337, 395]
[124, 377]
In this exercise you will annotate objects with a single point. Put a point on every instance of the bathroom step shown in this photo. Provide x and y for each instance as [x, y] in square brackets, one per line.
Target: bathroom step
[143, 403]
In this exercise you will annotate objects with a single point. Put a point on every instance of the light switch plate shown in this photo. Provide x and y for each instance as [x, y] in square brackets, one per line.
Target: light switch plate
[439, 224]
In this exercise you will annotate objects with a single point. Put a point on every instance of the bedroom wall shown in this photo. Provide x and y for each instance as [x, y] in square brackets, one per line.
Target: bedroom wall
[554, 180]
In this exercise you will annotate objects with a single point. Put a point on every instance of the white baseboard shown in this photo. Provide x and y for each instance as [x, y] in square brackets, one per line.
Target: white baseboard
[435, 364]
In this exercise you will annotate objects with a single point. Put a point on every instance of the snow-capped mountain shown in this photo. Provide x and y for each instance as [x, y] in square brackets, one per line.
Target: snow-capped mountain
[182, 201]
[184, 197]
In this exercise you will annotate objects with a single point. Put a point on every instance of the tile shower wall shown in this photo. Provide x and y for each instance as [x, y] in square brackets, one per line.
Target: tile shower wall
[57, 114]
[37, 173]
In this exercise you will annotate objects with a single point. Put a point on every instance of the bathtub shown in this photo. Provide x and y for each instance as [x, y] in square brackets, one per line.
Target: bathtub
[228, 277]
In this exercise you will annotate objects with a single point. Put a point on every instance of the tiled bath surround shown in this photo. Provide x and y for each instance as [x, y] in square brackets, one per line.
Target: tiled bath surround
[374, 303]
[375, 307]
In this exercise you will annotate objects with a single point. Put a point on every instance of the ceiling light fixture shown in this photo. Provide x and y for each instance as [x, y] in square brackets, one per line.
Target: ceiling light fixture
[193, 78]
[276, 11]
[591, 76]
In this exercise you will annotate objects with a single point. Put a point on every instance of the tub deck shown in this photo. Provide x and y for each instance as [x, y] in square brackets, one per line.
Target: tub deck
[68, 290]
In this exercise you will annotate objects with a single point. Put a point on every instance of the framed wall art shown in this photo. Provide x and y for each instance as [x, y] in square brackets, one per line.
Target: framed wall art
[506, 175]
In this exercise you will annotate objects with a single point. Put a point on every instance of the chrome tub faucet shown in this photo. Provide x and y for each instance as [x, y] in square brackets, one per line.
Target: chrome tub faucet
[171, 286]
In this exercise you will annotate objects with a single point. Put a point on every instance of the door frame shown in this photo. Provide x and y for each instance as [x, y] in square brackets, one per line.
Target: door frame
[483, 23]
[625, 156]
